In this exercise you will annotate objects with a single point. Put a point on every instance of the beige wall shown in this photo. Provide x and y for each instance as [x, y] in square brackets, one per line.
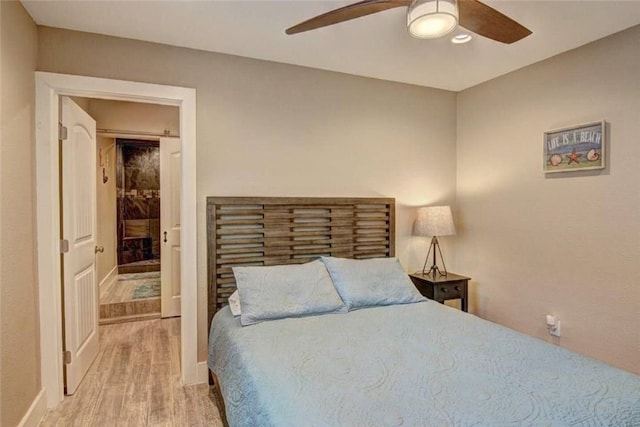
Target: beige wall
[106, 233]
[134, 116]
[273, 129]
[19, 337]
[566, 244]
[533, 245]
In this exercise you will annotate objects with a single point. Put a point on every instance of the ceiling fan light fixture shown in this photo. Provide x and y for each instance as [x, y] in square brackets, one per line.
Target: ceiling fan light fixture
[430, 19]
[461, 38]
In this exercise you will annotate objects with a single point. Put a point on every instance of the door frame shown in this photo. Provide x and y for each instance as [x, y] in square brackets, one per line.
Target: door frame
[49, 87]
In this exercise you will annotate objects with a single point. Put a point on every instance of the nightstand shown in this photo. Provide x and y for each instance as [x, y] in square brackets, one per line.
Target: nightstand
[442, 288]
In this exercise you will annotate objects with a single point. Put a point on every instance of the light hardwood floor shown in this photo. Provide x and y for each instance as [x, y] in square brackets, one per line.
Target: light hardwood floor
[135, 381]
[121, 288]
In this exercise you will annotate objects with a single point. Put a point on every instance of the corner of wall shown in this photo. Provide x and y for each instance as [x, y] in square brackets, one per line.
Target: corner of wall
[36, 411]
[529, 240]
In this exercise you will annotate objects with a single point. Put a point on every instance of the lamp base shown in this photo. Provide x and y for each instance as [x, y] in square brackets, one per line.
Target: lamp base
[433, 271]
[435, 245]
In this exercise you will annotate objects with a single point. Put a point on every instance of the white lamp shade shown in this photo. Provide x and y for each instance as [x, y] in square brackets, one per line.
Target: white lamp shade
[428, 19]
[434, 221]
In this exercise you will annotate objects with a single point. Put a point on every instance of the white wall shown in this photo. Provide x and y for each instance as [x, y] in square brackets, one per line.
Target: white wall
[565, 244]
[272, 129]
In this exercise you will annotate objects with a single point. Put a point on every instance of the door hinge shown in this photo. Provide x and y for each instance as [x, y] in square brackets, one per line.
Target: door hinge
[64, 246]
[67, 357]
[62, 132]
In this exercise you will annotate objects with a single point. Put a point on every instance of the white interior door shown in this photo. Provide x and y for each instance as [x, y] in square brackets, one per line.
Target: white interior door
[170, 173]
[81, 302]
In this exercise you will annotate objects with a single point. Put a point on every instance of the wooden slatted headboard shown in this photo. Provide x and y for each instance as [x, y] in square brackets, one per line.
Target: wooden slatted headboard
[289, 230]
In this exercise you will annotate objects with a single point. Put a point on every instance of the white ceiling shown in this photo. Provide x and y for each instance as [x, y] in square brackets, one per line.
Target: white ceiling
[374, 46]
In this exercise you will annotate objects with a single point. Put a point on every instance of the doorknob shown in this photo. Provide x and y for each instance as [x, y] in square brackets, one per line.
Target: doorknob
[98, 249]
[165, 236]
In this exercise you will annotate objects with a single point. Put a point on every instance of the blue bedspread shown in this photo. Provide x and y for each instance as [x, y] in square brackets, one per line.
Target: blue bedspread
[419, 364]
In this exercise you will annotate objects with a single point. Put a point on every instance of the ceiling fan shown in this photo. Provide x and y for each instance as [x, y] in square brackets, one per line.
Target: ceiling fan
[429, 18]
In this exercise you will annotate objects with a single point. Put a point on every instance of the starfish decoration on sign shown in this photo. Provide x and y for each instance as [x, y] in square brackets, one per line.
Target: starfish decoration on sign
[573, 157]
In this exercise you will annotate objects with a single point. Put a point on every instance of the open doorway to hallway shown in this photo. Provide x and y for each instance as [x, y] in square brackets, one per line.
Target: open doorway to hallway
[134, 292]
[50, 87]
[128, 183]
[110, 225]
[134, 375]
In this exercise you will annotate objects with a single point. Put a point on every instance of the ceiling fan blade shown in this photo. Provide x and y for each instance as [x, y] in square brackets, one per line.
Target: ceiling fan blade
[488, 22]
[352, 11]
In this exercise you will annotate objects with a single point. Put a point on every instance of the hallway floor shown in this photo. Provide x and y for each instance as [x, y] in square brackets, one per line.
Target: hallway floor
[135, 381]
[123, 287]
[130, 297]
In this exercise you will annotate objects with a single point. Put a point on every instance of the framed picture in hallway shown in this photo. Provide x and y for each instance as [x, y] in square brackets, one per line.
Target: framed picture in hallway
[576, 148]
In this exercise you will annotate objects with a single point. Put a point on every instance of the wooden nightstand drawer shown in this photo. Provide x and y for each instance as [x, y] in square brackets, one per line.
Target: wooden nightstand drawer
[442, 288]
[447, 291]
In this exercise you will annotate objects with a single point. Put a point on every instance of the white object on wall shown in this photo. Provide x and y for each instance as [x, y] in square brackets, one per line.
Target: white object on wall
[553, 325]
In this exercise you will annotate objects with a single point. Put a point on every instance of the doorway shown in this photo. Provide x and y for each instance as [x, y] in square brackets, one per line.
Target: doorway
[132, 293]
[133, 141]
[49, 87]
[138, 206]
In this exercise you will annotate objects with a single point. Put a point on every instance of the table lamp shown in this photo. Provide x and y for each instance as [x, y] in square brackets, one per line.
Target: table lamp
[434, 221]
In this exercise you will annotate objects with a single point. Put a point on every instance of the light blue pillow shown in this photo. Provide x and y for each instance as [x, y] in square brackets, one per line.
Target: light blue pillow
[371, 282]
[285, 291]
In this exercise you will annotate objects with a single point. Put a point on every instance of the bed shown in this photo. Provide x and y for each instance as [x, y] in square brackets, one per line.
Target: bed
[418, 363]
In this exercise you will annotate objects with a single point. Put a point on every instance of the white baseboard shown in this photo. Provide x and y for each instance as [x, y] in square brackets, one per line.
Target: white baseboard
[202, 373]
[112, 274]
[36, 411]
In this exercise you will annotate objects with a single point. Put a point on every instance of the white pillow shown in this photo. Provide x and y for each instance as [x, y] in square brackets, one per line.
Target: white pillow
[282, 291]
[371, 282]
[234, 303]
